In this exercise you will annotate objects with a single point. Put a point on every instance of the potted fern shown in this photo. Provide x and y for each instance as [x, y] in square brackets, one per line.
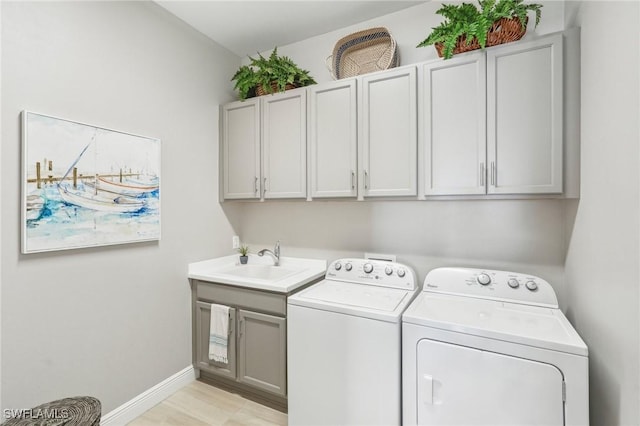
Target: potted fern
[268, 75]
[467, 27]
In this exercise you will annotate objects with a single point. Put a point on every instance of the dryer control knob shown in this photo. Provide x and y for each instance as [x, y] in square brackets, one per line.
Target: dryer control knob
[531, 285]
[348, 266]
[337, 266]
[388, 270]
[513, 283]
[401, 272]
[484, 279]
[368, 268]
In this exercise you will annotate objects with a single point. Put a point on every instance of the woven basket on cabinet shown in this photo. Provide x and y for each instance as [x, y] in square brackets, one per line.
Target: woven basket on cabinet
[274, 88]
[362, 52]
[504, 30]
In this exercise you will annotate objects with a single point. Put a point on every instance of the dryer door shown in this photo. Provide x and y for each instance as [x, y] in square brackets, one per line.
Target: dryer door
[457, 385]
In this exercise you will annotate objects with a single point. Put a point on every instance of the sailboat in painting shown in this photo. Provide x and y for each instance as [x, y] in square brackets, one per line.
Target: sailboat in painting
[84, 197]
[88, 197]
[128, 186]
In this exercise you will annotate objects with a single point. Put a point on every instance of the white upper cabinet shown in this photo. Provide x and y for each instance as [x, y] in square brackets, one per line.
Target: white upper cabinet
[453, 125]
[524, 117]
[484, 122]
[389, 133]
[333, 138]
[284, 145]
[241, 149]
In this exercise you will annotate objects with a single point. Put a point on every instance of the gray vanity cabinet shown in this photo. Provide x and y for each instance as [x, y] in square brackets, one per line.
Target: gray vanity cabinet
[257, 346]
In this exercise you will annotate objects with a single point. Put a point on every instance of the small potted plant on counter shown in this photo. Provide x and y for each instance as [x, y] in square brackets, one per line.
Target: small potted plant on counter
[244, 252]
[467, 27]
[269, 75]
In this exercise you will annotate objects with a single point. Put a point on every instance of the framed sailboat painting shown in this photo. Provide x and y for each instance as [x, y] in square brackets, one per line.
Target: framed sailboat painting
[86, 186]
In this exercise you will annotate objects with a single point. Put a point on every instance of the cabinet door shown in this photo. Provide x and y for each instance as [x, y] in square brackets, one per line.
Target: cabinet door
[453, 125]
[262, 344]
[389, 133]
[203, 320]
[284, 143]
[241, 149]
[333, 139]
[524, 116]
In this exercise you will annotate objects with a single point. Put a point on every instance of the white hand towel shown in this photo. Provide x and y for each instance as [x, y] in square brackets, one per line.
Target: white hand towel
[219, 333]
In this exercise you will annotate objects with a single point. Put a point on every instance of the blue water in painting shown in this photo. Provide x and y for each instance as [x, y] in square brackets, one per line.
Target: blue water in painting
[62, 225]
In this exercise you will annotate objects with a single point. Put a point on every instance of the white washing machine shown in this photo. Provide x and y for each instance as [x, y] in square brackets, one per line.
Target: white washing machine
[484, 347]
[344, 342]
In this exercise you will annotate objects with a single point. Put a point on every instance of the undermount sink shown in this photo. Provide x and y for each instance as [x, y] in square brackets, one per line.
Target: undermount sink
[260, 273]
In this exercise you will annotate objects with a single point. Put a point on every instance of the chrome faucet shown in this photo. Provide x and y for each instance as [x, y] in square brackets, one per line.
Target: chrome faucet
[275, 253]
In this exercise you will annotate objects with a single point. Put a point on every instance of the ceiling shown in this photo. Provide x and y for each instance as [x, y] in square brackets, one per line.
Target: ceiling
[247, 27]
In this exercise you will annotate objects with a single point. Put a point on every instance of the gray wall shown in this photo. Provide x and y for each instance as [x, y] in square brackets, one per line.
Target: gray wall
[109, 322]
[522, 235]
[603, 227]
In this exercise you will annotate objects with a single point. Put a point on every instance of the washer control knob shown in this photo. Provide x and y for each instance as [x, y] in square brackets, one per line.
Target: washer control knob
[337, 266]
[513, 283]
[484, 279]
[368, 268]
[401, 272]
[388, 270]
[531, 285]
[348, 266]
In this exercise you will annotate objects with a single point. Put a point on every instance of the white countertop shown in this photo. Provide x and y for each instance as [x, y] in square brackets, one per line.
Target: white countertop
[292, 273]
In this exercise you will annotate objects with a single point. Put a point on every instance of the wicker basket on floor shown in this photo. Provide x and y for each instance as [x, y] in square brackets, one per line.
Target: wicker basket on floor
[502, 31]
[76, 411]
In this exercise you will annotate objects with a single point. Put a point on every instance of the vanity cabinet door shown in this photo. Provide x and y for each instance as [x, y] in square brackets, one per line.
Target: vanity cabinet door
[284, 144]
[241, 149]
[453, 125]
[389, 133]
[524, 117]
[203, 318]
[262, 347]
[333, 138]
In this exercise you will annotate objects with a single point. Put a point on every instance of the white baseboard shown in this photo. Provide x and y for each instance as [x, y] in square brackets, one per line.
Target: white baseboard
[147, 399]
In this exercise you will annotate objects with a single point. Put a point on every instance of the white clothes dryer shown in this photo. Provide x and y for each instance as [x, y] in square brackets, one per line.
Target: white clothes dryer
[484, 347]
[343, 345]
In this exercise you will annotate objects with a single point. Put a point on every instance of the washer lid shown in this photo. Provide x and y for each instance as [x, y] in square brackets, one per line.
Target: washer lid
[355, 299]
[540, 327]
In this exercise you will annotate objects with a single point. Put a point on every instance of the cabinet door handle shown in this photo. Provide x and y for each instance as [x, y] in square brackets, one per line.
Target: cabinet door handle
[241, 328]
[493, 173]
[353, 179]
[264, 186]
[482, 174]
[366, 180]
[256, 185]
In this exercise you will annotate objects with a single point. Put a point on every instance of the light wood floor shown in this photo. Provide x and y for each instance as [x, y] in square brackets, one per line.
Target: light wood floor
[200, 404]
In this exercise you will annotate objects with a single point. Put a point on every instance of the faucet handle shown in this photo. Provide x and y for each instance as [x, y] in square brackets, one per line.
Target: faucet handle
[276, 250]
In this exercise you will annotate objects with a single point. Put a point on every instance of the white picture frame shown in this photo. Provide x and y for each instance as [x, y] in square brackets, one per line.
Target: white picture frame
[86, 186]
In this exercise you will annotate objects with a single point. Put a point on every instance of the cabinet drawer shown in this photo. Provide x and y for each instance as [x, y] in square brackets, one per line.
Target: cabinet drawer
[257, 300]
